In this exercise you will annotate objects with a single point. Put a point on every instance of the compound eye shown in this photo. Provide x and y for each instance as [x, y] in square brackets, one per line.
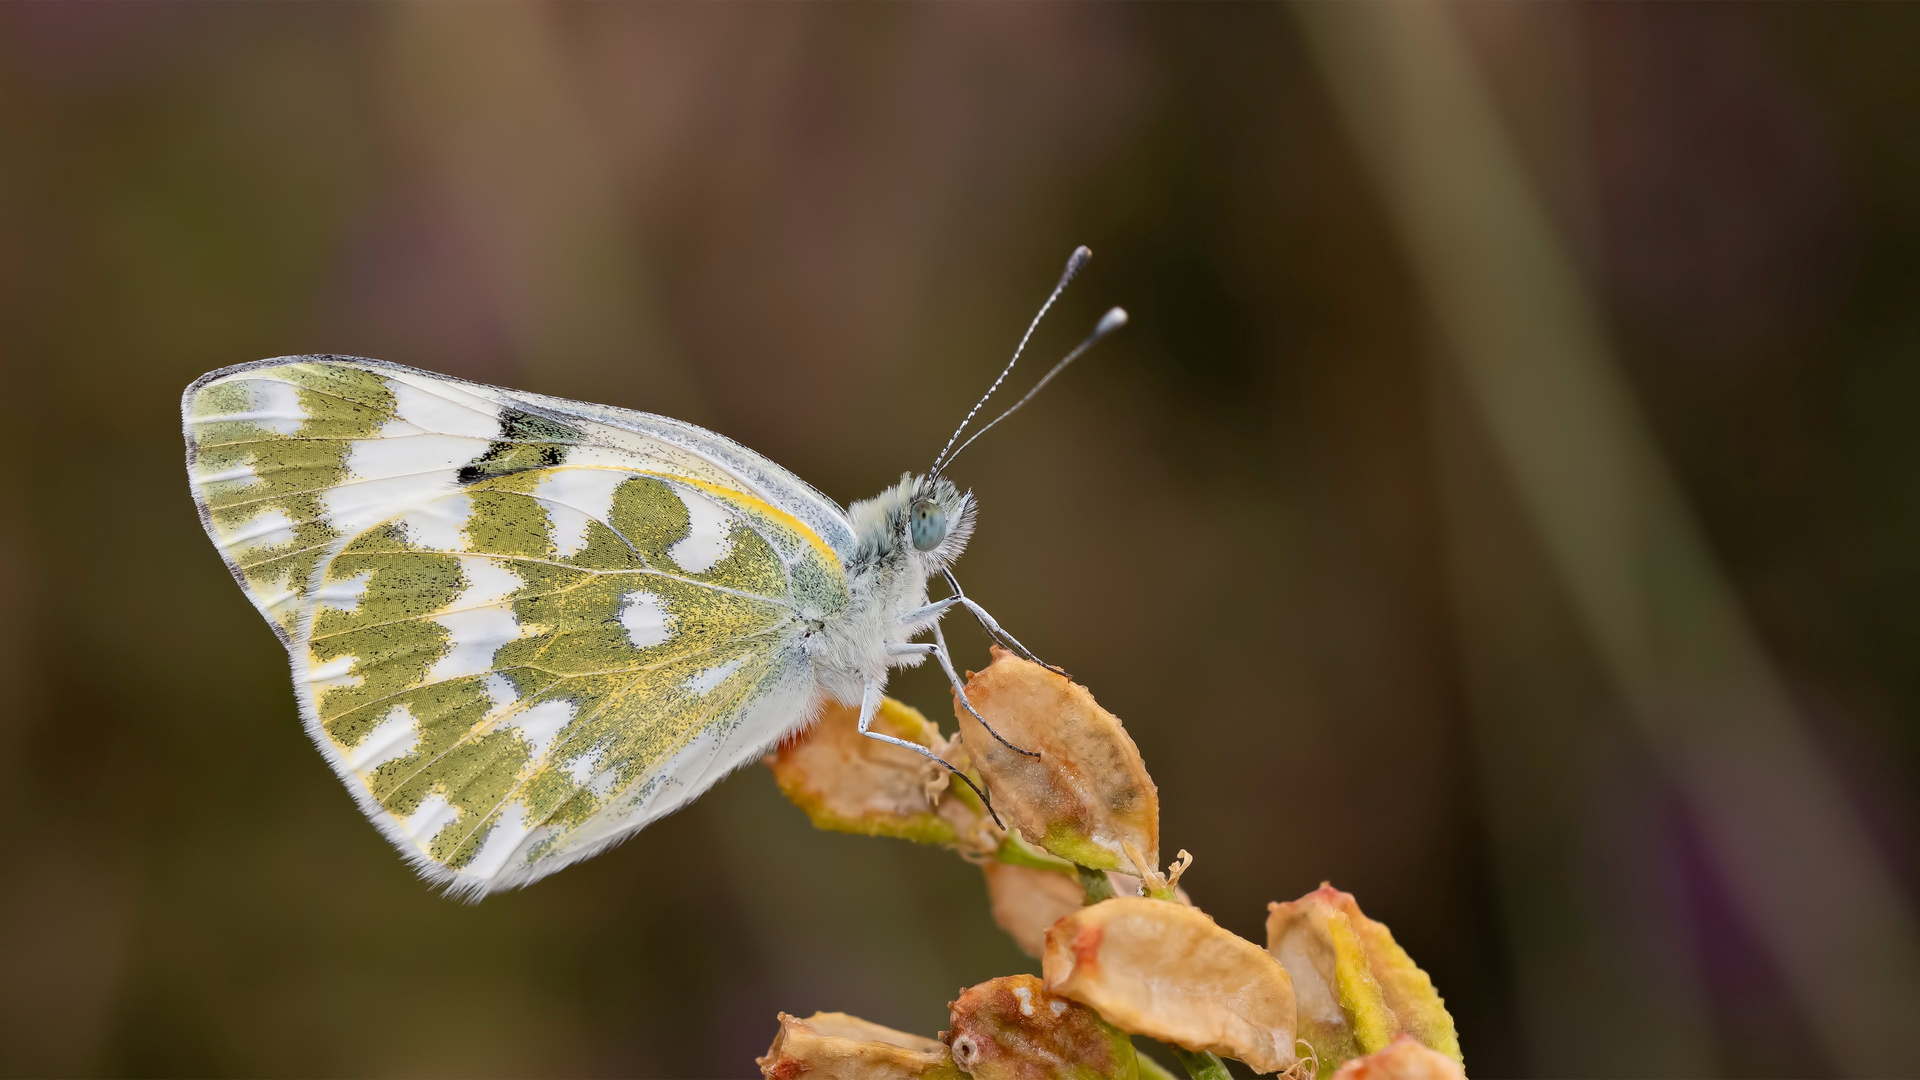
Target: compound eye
[929, 525]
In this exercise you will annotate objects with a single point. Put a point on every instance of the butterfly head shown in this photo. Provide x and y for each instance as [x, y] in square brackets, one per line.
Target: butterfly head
[939, 520]
[926, 516]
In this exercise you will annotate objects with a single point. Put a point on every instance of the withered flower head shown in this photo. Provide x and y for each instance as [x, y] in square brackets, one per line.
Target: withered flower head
[1011, 1028]
[836, 1046]
[847, 782]
[1168, 971]
[1357, 988]
[1087, 796]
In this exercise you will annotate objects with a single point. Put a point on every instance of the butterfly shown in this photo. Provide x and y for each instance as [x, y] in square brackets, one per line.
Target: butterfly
[521, 627]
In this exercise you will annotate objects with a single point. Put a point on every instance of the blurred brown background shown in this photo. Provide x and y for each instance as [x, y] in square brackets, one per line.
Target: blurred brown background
[1503, 503]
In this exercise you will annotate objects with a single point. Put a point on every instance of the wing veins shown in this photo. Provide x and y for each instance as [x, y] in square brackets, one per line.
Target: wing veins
[246, 378]
[257, 563]
[558, 676]
[389, 413]
[508, 603]
[695, 582]
[493, 724]
[732, 704]
[785, 563]
[342, 484]
[419, 433]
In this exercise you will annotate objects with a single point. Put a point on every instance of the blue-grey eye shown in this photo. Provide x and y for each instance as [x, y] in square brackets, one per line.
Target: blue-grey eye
[929, 525]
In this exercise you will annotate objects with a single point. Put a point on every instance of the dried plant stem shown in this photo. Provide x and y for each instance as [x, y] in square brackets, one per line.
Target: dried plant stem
[1200, 1064]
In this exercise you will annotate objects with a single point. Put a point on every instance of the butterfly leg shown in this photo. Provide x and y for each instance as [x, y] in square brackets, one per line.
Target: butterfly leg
[938, 650]
[930, 611]
[993, 628]
[870, 706]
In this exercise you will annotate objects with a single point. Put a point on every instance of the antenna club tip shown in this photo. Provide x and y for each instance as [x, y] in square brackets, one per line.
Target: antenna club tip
[1111, 321]
[1075, 261]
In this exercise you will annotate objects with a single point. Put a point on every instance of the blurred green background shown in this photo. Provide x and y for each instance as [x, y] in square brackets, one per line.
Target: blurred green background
[1503, 503]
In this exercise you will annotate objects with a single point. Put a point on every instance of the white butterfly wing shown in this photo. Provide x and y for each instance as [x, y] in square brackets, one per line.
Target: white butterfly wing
[520, 627]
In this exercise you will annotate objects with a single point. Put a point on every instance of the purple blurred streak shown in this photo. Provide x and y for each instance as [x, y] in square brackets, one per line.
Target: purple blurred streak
[1761, 1032]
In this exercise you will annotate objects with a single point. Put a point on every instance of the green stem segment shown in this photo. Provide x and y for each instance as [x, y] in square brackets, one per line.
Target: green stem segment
[1016, 851]
[1163, 894]
[1200, 1064]
[1095, 884]
[1151, 1069]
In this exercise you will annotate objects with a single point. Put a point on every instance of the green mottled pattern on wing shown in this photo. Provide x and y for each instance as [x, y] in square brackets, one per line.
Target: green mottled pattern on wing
[267, 447]
[492, 685]
[626, 708]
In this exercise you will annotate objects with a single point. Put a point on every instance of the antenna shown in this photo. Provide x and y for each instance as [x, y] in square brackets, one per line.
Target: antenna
[1074, 262]
[1113, 320]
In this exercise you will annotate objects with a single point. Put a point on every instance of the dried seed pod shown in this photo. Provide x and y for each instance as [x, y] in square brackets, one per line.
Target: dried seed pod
[1168, 971]
[1402, 1059]
[847, 782]
[1088, 794]
[1011, 1028]
[1027, 901]
[1357, 988]
[835, 1046]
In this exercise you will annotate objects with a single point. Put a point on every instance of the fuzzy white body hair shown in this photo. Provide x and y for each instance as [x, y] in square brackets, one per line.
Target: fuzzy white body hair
[887, 580]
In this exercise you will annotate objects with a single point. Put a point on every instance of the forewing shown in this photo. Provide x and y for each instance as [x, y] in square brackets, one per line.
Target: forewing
[517, 633]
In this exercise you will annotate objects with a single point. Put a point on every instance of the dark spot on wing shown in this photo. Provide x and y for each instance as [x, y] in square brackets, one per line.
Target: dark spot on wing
[526, 442]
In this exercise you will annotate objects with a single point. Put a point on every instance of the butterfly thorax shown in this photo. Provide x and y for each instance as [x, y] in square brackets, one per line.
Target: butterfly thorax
[902, 537]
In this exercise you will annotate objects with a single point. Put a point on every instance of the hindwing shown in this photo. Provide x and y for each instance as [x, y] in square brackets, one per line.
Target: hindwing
[520, 628]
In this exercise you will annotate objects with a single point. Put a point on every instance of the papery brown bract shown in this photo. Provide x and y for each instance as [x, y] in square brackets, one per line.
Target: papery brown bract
[1356, 987]
[1011, 1028]
[847, 782]
[836, 1046]
[1087, 796]
[1167, 971]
